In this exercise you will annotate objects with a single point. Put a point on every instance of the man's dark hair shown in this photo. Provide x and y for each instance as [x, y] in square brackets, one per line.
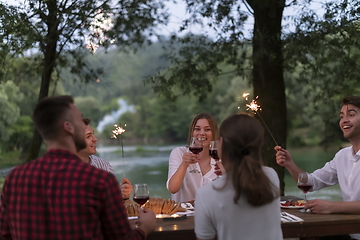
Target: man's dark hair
[353, 100]
[86, 121]
[49, 113]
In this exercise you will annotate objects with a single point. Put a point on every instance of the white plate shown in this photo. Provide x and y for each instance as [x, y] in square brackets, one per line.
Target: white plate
[289, 206]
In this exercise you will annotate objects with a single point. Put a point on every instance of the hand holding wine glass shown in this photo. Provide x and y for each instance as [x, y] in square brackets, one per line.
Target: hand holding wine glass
[213, 151]
[195, 147]
[141, 194]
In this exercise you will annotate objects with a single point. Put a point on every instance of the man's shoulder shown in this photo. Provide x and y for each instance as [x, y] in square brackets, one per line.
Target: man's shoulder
[96, 158]
[101, 163]
[344, 151]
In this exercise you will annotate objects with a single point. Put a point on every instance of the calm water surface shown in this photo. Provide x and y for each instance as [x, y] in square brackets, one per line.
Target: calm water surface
[149, 164]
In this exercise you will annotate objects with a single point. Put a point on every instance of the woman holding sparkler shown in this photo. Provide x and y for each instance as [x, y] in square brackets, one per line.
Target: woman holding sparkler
[249, 204]
[87, 156]
[188, 171]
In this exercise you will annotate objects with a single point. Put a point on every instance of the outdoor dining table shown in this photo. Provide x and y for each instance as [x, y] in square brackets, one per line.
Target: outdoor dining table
[313, 226]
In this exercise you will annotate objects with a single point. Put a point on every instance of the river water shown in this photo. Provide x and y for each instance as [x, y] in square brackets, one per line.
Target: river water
[149, 164]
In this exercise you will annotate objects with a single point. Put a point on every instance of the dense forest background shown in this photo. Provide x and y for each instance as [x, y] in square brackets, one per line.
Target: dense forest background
[299, 75]
[150, 117]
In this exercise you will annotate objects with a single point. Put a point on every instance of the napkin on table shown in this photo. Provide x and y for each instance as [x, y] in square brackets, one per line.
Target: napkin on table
[287, 217]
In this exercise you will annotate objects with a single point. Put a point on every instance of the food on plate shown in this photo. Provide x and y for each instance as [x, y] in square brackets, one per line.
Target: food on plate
[295, 203]
[299, 203]
[158, 205]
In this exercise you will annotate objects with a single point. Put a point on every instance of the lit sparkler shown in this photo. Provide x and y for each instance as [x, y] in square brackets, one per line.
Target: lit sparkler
[255, 108]
[101, 23]
[119, 131]
[246, 96]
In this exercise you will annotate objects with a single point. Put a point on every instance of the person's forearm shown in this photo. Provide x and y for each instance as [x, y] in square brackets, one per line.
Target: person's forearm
[177, 179]
[346, 207]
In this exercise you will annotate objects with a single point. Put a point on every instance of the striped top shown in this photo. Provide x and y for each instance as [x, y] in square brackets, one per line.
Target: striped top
[101, 164]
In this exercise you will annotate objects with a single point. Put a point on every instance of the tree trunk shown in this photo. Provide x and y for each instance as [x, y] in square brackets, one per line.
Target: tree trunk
[50, 56]
[268, 80]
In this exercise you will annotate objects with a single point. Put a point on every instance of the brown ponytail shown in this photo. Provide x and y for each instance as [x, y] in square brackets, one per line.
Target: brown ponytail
[242, 138]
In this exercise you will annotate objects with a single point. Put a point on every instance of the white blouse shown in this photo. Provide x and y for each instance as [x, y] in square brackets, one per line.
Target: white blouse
[192, 181]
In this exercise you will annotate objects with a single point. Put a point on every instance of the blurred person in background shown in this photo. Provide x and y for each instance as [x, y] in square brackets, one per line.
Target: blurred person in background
[244, 202]
[87, 156]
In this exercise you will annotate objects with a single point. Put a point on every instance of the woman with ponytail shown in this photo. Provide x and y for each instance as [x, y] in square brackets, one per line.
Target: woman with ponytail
[244, 203]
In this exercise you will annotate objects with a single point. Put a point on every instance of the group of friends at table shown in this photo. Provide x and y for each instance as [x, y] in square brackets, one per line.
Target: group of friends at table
[69, 193]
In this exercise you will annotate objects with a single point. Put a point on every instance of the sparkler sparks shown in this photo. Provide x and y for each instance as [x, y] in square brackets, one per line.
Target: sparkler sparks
[246, 96]
[255, 108]
[119, 131]
[101, 23]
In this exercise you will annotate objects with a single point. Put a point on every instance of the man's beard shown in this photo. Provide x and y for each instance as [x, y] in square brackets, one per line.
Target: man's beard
[79, 140]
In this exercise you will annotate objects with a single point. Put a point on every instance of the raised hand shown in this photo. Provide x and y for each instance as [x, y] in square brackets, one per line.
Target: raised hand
[219, 168]
[283, 157]
[190, 158]
[126, 188]
[146, 220]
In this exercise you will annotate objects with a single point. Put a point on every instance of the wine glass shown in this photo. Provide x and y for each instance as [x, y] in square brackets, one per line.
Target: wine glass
[141, 194]
[303, 184]
[213, 151]
[195, 147]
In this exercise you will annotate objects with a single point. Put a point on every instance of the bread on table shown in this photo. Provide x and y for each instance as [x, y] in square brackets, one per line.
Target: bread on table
[157, 205]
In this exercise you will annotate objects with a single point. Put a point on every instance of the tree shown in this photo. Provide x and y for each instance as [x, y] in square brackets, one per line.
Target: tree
[55, 30]
[195, 65]
[268, 74]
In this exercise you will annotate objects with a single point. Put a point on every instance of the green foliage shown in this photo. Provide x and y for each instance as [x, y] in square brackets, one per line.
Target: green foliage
[310, 63]
[10, 159]
[90, 108]
[9, 97]
[58, 30]
[321, 58]
[195, 66]
[21, 134]
[155, 118]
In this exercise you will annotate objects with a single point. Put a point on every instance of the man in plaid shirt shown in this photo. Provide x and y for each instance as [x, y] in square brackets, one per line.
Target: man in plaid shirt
[58, 196]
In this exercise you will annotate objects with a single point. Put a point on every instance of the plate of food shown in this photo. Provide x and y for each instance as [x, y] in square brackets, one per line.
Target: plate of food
[292, 204]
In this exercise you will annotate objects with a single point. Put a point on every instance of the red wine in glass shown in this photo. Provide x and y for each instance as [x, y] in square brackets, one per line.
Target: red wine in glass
[213, 153]
[141, 200]
[195, 149]
[141, 194]
[303, 184]
[305, 187]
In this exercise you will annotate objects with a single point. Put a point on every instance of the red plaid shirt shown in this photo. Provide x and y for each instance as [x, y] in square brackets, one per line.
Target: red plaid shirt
[60, 197]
